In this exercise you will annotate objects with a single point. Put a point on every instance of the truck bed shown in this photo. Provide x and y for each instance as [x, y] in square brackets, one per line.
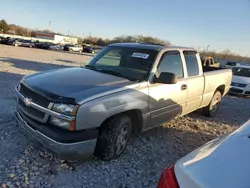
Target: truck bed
[208, 69]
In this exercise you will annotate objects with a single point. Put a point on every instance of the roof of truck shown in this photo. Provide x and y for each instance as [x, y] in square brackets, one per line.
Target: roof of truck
[157, 47]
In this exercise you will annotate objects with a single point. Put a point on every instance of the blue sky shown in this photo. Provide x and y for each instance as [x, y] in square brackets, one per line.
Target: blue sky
[222, 24]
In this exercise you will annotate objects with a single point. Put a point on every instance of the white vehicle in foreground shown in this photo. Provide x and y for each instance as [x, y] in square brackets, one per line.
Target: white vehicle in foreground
[220, 163]
[241, 80]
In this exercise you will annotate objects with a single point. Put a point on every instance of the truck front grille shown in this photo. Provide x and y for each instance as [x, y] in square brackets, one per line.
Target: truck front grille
[36, 98]
[31, 110]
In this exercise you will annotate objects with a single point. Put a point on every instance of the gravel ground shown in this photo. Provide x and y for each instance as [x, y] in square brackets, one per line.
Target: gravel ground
[22, 164]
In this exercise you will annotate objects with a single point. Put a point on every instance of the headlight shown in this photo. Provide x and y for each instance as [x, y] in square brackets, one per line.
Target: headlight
[70, 125]
[19, 87]
[67, 109]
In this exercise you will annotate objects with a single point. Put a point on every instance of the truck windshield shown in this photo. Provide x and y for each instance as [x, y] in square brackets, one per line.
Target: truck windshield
[244, 72]
[131, 63]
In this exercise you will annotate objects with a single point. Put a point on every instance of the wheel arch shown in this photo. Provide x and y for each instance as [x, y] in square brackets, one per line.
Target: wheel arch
[136, 118]
[221, 89]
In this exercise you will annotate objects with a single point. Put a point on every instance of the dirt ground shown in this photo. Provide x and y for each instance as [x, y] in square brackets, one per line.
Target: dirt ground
[22, 164]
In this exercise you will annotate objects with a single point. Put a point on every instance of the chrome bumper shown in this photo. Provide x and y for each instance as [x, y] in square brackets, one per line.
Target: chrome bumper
[70, 151]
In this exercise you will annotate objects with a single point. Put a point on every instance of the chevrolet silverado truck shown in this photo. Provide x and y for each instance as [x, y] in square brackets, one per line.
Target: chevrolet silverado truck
[126, 88]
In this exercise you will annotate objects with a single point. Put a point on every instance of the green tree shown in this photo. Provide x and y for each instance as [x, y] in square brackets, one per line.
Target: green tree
[3, 26]
[100, 42]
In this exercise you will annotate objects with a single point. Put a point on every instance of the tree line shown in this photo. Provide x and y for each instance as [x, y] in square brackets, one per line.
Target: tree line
[98, 41]
[226, 55]
[137, 38]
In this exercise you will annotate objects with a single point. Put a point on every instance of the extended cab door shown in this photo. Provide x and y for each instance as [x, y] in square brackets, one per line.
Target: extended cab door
[195, 81]
[166, 101]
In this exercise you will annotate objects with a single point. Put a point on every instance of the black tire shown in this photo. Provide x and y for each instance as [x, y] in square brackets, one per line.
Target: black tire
[212, 109]
[110, 138]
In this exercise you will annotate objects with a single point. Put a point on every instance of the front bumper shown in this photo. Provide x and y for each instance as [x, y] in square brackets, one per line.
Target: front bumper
[68, 151]
[239, 91]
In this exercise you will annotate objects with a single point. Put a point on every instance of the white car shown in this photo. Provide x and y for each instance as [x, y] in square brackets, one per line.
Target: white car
[220, 163]
[76, 48]
[241, 80]
[231, 64]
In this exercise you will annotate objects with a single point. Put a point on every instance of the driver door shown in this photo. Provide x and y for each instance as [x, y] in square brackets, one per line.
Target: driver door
[167, 101]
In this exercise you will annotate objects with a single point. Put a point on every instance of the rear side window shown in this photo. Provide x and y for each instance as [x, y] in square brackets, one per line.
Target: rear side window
[192, 63]
[171, 62]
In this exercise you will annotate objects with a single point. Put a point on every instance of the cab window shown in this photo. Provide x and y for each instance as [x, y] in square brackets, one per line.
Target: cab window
[171, 62]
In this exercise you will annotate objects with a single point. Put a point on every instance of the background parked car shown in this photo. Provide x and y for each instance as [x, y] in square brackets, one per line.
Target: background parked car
[1, 39]
[5, 40]
[87, 49]
[66, 47]
[92, 50]
[26, 43]
[96, 50]
[44, 45]
[13, 42]
[231, 64]
[241, 81]
[55, 47]
[75, 48]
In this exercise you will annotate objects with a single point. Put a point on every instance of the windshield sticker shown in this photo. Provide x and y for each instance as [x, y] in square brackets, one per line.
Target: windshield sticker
[140, 55]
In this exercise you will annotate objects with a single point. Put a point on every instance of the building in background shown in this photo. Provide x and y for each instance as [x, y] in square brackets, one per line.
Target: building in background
[56, 38]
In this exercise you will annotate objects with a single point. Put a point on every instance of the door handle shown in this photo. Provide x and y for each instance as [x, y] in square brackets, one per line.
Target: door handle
[183, 87]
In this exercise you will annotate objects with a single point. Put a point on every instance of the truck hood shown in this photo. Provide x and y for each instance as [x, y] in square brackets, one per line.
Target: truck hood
[73, 84]
[241, 79]
[223, 162]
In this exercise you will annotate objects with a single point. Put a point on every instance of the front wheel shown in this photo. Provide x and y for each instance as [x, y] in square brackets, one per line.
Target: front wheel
[213, 106]
[113, 138]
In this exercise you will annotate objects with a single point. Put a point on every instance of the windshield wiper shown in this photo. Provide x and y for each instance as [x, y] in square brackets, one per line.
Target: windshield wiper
[111, 72]
[108, 71]
[90, 67]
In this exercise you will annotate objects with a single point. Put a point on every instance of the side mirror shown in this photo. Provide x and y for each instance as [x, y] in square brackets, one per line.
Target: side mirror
[166, 78]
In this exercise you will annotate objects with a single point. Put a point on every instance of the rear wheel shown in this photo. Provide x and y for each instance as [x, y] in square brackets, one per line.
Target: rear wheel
[113, 138]
[213, 106]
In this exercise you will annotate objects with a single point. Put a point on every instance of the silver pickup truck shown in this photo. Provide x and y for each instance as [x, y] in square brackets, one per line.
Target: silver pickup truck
[126, 88]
